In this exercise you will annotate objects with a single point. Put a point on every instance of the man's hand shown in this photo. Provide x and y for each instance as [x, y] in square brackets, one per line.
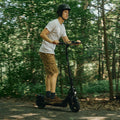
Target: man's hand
[78, 41]
[56, 42]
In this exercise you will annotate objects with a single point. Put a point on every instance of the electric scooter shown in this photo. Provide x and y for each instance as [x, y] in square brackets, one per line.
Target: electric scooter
[71, 98]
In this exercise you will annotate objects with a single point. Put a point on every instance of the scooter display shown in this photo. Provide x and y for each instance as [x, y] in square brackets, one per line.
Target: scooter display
[71, 98]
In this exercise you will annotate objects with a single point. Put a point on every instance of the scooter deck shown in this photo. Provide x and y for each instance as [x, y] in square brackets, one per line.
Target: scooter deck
[62, 104]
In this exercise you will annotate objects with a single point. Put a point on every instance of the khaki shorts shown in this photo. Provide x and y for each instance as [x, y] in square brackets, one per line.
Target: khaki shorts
[49, 63]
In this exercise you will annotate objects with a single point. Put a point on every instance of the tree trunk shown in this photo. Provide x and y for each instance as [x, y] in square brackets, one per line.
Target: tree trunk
[102, 55]
[99, 44]
[106, 53]
[118, 76]
[0, 72]
[114, 65]
[80, 67]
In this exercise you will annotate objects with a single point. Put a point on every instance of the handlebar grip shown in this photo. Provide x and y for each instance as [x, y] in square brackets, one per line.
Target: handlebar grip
[75, 42]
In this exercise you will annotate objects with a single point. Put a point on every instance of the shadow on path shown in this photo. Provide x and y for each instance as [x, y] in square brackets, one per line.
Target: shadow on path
[19, 110]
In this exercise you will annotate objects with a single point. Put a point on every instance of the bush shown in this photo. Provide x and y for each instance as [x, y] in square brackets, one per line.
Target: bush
[21, 89]
[96, 87]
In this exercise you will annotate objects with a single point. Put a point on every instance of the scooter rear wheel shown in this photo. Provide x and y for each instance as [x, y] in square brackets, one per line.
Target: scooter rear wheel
[40, 102]
[74, 105]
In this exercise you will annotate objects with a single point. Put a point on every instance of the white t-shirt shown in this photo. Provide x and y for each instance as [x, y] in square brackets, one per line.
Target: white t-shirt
[57, 31]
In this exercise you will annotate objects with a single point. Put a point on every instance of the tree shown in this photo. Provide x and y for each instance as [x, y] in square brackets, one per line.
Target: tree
[106, 53]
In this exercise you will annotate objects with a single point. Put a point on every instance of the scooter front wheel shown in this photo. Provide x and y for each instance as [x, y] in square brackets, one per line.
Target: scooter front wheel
[40, 102]
[74, 105]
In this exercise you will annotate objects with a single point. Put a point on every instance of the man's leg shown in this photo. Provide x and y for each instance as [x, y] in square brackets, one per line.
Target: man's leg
[48, 87]
[47, 82]
[50, 83]
[53, 81]
[52, 74]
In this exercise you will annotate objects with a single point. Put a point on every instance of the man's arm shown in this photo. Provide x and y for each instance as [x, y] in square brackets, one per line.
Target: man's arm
[66, 39]
[44, 34]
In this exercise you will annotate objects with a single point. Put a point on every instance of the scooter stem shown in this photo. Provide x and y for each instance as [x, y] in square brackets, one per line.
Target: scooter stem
[68, 64]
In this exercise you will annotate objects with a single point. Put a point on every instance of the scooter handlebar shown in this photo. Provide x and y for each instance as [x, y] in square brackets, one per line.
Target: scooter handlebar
[72, 43]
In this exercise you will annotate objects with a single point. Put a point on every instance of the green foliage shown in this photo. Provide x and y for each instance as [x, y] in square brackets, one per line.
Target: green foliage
[22, 89]
[21, 69]
[19, 89]
[97, 87]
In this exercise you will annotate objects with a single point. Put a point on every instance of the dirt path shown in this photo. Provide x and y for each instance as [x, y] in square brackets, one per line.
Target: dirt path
[12, 109]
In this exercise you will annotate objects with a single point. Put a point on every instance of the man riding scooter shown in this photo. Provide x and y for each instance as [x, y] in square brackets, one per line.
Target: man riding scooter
[51, 34]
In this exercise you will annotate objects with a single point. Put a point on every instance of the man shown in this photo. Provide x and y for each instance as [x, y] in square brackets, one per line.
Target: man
[51, 35]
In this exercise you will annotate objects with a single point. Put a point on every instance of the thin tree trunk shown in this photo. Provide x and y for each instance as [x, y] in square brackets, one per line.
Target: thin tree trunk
[102, 54]
[99, 44]
[0, 72]
[114, 65]
[106, 53]
[80, 67]
[118, 76]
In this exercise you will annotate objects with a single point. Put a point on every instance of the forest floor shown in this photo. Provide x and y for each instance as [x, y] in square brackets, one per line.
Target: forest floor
[91, 109]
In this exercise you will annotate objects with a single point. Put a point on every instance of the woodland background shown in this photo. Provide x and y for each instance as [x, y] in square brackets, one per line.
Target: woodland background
[95, 64]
